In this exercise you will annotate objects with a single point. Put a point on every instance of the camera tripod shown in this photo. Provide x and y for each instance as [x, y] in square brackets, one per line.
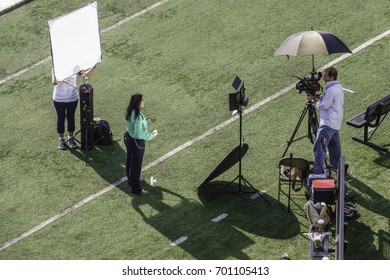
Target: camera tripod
[312, 125]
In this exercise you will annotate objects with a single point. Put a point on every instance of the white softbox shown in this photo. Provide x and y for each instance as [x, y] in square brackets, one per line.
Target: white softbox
[75, 41]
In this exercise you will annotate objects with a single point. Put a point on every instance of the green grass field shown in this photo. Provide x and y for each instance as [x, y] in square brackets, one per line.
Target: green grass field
[184, 55]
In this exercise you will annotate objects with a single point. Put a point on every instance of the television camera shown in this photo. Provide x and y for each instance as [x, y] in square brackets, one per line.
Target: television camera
[309, 84]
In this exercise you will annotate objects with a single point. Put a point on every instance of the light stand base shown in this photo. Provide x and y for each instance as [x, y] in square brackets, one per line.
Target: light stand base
[241, 180]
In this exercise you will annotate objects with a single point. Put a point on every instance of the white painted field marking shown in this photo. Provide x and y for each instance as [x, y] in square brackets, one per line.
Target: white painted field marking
[257, 194]
[140, 13]
[25, 70]
[178, 149]
[219, 218]
[349, 90]
[61, 214]
[179, 241]
[119, 23]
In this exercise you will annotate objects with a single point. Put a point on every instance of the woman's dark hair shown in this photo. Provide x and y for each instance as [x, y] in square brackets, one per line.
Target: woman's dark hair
[134, 104]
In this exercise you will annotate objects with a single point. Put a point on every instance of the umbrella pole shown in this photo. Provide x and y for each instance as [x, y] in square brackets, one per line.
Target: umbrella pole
[312, 61]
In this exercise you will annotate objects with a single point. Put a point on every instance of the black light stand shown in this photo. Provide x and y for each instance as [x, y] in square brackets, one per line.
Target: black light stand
[87, 142]
[312, 125]
[241, 100]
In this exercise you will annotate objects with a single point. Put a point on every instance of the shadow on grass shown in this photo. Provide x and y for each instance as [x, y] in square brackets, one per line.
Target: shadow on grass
[360, 239]
[261, 215]
[359, 235]
[383, 159]
[384, 243]
[369, 198]
[108, 161]
[247, 221]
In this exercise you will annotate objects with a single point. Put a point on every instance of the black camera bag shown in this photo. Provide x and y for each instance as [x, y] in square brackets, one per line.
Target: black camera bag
[102, 132]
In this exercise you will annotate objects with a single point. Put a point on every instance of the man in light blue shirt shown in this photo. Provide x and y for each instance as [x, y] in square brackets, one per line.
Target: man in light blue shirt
[331, 106]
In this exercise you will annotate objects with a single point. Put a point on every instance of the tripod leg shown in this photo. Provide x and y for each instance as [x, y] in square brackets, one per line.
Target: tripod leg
[295, 130]
[312, 124]
[255, 190]
[86, 145]
[228, 185]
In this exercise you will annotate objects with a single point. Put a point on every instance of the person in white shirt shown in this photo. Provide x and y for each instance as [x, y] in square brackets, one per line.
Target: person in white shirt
[65, 97]
[331, 106]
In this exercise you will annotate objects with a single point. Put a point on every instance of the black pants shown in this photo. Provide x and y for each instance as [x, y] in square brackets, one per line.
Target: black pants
[65, 110]
[134, 156]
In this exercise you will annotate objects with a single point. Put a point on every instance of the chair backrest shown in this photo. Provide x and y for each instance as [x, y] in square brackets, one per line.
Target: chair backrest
[385, 105]
[375, 110]
[294, 169]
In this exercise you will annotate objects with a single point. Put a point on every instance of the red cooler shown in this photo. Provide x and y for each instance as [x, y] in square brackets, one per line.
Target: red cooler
[324, 191]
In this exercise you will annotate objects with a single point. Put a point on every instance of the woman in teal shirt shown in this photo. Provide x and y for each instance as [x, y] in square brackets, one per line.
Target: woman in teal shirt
[135, 136]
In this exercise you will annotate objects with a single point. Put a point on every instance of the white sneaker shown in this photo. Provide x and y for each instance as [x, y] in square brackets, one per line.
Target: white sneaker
[61, 144]
[144, 192]
[72, 143]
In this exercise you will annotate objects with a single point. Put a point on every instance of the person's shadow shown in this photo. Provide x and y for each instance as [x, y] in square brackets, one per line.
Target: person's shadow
[208, 239]
[107, 160]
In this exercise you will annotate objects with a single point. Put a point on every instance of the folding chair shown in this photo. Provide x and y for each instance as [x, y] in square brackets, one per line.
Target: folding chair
[292, 171]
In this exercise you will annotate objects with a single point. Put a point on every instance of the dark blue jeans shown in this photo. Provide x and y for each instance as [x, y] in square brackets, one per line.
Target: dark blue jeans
[327, 138]
[65, 110]
[134, 156]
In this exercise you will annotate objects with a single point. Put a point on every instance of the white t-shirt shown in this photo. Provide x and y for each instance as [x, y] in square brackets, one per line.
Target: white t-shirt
[66, 90]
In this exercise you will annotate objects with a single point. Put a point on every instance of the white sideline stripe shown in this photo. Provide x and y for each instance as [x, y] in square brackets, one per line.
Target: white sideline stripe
[25, 70]
[357, 49]
[119, 23]
[179, 241]
[349, 90]
[219, 218]
[61, 214]
[178, 149]
[123, 21]
[257, 194]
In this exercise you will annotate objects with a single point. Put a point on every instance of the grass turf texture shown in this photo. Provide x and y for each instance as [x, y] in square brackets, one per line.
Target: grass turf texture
[184, 56]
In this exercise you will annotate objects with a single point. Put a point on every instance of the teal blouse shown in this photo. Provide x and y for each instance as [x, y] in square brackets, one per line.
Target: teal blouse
[138, 127]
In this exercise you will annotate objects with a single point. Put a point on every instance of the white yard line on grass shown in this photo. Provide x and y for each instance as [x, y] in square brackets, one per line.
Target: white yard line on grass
[179, 241]
[180, 148]
[31, 67]
[219, 218]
